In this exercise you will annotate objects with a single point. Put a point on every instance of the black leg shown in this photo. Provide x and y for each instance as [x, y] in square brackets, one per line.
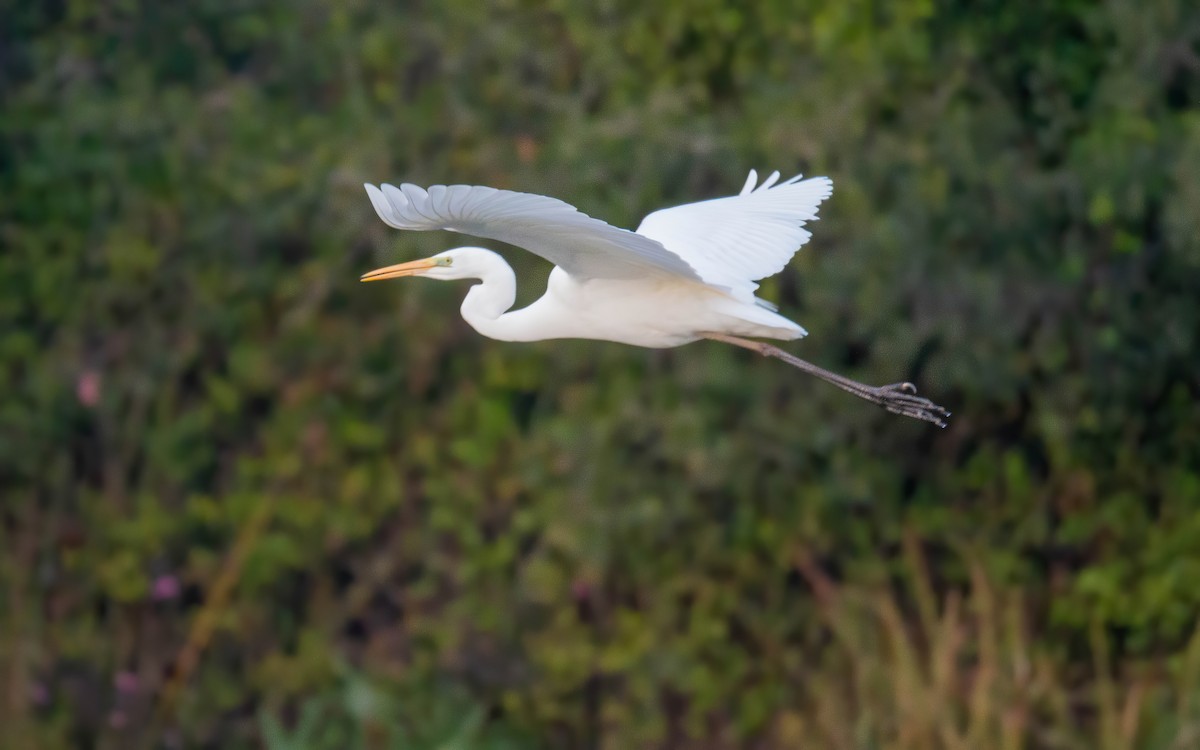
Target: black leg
[898, 398]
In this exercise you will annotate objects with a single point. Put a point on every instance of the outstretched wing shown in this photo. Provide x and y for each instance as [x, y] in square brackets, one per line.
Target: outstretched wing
[582, 246]
[738, 240]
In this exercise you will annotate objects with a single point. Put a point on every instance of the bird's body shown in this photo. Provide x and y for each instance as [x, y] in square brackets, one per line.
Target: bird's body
[687, 273]
[650, 312]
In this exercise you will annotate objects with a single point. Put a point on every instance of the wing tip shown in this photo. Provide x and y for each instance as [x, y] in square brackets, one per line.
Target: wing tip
[772, 181]
[383, 207]
[751, 181]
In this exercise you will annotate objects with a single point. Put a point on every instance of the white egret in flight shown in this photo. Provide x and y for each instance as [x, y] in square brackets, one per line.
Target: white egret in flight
[687, 273]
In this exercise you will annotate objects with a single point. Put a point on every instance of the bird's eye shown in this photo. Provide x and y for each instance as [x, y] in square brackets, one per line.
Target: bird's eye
[445, 261]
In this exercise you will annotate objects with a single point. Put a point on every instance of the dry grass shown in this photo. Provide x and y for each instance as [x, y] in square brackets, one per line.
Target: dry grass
[961, 672]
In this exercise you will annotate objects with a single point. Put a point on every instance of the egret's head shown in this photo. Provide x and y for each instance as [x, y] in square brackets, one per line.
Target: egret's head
[459, 263]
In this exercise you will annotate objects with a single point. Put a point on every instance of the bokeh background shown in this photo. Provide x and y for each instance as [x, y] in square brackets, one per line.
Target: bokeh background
[250, 502]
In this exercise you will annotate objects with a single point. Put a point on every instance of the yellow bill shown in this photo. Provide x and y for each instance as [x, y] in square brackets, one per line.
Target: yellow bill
[411, 268]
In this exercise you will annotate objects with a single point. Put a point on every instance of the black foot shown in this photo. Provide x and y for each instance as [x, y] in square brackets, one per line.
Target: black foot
[902, 398]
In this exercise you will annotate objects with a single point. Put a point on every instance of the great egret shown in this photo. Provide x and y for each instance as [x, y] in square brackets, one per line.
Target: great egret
[687, 273]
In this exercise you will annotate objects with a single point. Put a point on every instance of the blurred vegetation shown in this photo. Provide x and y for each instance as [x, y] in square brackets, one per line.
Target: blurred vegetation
[248, 502]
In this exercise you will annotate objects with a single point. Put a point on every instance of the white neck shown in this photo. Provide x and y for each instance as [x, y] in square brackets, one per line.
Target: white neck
[486, 305]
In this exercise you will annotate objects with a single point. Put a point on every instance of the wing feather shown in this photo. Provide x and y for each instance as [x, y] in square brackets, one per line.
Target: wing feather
[738, 240]
[582, 246]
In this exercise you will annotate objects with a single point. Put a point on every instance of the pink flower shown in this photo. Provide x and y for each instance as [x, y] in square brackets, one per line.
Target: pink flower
[126, 682]
[164, 588]
[39, 694]
[87, 388]
[580, 589]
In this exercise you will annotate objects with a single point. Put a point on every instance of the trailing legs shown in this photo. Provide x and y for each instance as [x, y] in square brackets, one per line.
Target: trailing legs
[898, 398]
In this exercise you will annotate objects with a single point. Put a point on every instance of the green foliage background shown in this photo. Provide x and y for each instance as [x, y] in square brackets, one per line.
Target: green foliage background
[578, 544]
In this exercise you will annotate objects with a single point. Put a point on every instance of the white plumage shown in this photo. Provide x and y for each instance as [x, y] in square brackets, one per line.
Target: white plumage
[688, 272]
[736, 241]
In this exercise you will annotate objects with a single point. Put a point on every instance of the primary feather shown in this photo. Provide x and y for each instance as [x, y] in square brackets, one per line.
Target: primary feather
[738, 240]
